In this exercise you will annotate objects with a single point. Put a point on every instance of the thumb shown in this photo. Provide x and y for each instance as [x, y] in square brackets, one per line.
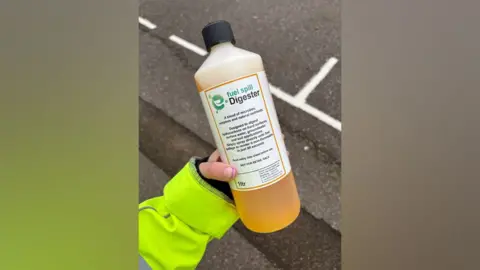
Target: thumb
[217, 171]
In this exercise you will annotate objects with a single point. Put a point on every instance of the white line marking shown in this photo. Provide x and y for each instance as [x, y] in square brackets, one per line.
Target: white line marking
[302, 95]
[146, 23]
[293, 101]
[327, 119]
[192, 47]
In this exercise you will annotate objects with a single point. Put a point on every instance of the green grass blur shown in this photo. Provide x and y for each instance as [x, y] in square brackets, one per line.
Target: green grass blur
[68, 135]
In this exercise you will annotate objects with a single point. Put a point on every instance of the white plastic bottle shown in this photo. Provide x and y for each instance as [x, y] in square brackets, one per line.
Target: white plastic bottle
[235, 94]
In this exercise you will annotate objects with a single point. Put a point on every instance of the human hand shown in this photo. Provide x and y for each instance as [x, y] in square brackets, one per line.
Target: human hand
[214, 168]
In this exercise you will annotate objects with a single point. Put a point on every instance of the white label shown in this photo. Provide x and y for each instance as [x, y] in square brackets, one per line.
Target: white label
[246, 130]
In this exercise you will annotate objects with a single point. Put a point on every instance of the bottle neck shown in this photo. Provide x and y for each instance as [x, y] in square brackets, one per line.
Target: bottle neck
[221, 46]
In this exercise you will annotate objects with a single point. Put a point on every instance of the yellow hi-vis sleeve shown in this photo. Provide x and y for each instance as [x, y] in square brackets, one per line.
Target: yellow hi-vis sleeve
[174, 229]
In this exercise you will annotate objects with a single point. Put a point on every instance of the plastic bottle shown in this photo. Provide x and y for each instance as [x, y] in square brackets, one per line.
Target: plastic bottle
[235, 94]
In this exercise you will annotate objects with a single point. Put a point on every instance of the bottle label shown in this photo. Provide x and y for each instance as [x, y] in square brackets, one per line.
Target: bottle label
[246, 130]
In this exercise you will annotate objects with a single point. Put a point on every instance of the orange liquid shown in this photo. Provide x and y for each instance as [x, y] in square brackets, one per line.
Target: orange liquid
[271, 208]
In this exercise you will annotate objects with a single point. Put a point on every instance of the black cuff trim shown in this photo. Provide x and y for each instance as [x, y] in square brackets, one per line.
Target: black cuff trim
[221, 186]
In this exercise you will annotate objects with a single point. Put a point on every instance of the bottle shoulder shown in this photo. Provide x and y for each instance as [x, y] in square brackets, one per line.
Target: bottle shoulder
[227, 64]
[231, 57]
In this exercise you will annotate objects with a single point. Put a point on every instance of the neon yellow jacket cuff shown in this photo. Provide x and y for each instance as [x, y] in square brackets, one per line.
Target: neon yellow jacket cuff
[174, 229]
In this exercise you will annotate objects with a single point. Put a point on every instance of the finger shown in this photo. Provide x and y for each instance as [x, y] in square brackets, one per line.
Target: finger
[218, 171]
[214, 157]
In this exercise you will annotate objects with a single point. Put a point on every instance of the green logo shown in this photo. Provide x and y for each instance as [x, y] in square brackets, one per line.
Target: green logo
[218, 102]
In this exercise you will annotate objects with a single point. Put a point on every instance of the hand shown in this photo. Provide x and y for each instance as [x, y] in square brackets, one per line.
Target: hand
[214, 168]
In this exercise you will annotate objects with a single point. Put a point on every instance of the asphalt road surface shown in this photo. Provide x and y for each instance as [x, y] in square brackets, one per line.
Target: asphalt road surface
[295, 39]
[308, 243]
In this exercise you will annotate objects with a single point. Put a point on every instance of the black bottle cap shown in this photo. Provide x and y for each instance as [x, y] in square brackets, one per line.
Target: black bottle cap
[217, 32]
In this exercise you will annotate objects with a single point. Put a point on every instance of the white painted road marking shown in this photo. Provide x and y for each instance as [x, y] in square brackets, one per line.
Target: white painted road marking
[146, 23]
[192, 47]
[293, 101]
[298, 101]
[327, 119]
[302, 95]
